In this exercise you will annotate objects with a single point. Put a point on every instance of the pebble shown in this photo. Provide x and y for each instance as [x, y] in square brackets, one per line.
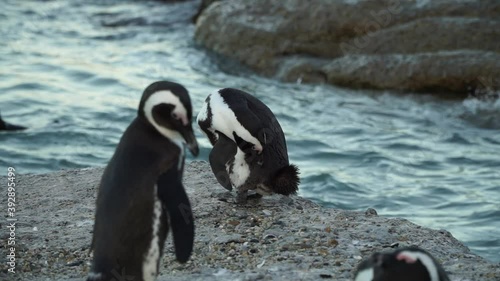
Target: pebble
[267, 213]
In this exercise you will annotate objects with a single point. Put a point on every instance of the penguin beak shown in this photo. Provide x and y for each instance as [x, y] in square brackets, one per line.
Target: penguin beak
[190, 139]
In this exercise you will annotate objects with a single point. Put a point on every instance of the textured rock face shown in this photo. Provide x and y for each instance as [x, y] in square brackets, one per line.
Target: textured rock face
[276, 238]
[313, 40]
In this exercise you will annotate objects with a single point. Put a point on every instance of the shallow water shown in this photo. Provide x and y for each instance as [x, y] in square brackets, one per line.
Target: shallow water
[73, 73]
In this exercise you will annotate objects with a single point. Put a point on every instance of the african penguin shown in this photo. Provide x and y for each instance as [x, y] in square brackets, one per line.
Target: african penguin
[4, 126]
[405, 264]
[249, 148]
[141, 192]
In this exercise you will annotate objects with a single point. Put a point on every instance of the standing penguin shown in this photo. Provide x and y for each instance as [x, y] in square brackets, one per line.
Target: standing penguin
[141, 192]
[249, 147]
[408, 264]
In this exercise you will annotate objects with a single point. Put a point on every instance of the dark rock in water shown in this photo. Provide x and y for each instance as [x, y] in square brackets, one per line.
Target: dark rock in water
[4, 126]
[403, 45]
[312, 241]
[371, 212]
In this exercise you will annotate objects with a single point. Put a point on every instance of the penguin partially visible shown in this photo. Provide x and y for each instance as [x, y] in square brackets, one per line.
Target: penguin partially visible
[249, 147]
[141, 192]
[405, 264]
[4, 126]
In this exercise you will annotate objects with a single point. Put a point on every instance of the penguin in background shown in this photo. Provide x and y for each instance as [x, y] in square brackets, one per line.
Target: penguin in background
[249, 148]
[4, 126]
[141, 194]
[405, 264]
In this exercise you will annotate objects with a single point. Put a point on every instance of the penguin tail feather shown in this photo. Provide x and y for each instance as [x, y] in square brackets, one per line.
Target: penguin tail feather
[286, 180]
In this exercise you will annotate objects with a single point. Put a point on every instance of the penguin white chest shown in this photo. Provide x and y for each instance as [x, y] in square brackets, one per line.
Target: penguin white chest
[224, 120]
[152, 256]
[240, 170]
[365, 275]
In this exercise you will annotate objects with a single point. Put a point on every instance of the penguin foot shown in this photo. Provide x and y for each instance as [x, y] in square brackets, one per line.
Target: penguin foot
[241, 197]
[223, 196]
[254, 196]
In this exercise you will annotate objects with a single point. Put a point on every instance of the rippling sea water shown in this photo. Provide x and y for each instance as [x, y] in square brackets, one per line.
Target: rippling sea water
[73, 72]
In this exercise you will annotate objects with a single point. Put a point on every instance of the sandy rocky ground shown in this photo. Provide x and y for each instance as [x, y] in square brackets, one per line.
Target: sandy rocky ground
[277, 238]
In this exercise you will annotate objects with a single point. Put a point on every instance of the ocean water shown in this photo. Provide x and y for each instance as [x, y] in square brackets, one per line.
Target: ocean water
[73, 72]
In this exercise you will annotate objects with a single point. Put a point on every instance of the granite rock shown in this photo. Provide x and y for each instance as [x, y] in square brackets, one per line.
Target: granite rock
[312, 41]
[275, 238]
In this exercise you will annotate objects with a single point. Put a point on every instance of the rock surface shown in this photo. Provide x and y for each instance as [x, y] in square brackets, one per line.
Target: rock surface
[406, 45]
[276, 238]
[203, 6]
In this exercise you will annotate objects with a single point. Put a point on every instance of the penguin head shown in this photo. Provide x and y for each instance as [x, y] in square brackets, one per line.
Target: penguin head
[167, 107]
[409, 264]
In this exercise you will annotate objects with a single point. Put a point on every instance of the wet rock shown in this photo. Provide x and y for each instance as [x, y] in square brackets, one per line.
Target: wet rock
[455, 71]
[203, 6]
[403, 45]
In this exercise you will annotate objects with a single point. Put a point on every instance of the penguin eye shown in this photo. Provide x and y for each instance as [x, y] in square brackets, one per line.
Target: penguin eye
[175, 116]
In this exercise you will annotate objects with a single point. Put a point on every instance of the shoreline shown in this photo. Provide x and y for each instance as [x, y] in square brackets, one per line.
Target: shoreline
[276, 238]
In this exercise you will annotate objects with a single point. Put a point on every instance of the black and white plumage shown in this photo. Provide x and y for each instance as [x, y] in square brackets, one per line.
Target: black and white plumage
[249, 147]
[4, 126]
[141, 193]
[408, 264]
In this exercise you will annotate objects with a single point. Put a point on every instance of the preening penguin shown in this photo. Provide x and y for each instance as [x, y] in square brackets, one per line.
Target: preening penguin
[141, 193]
[408, 264]
[249, 147]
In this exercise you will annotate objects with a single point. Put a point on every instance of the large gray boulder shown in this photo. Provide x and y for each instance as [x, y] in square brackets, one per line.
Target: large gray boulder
[311, 41]
[276, 238]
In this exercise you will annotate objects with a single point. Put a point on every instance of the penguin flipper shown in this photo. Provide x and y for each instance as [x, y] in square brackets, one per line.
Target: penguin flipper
[222, 152]
[176, 202]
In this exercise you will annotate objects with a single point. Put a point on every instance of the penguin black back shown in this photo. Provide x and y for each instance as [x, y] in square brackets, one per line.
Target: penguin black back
[408, 264]
[141, 193]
